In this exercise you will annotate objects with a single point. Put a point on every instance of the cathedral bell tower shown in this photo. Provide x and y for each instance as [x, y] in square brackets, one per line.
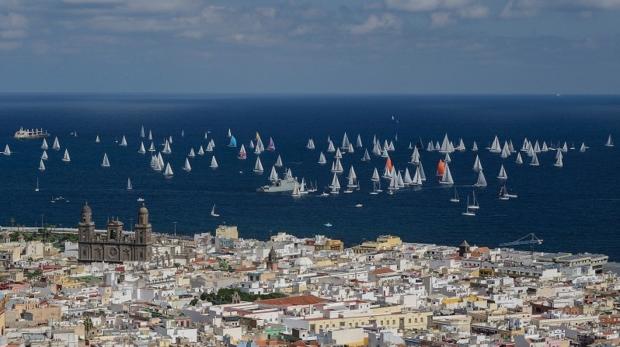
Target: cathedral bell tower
[86, 227]
[143, 231]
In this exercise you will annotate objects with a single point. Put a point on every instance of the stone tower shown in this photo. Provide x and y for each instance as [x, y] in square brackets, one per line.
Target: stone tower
[272, 260]
[143, 235]
[86, 230]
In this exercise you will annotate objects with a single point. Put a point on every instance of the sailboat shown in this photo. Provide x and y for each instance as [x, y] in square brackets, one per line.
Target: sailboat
[7, 150]
[468, 212]
[44, 155]
[44, 145]
[415, 156]
[129, 186]
[167, 149]
[358, 141]
[271, 146]
[233, 142]
[273, 175]
[534, 161]
[352, 180]
[495, 146]
[519, 160]
[474, 147]
[474, 205]
[191, 153]
[558, 159]
[335, 185]
[36, 188]
[502, 193]
[66, 158]
[56, 144]
[123, 142]
[105, 162]
[41, 165]
[187, 167]
[482, 181]
[142, 132]
[278, 161]
[168, 171]
[477, 164]
[583, 147]
[502, 173]
[322, 160]
[214, 165]
[610, 141]
[243, 155]
[455, 198]
[150, 135]
[258, 167]
[330, 147]
[310, 144]
[366, 156]
[213, 214]
[337, 166]
[229, 133]
[296, 192]
[446, 178]
[152, 147]
[141, 150]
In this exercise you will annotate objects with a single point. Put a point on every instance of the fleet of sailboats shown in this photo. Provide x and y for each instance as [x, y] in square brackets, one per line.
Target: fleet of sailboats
[393, 178]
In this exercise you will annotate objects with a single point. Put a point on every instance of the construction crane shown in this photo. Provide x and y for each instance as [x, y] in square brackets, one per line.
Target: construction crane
[529, 239]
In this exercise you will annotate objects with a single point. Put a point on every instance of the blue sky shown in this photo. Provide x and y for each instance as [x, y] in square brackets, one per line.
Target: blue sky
[382, 46]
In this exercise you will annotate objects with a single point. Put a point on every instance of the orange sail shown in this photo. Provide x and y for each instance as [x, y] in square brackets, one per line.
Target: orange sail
[441, 167]
[388, 164]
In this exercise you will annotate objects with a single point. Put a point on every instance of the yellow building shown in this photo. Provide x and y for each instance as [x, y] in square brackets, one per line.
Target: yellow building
[227, 232]
[330, 245]
[387, 317]
[383, 243]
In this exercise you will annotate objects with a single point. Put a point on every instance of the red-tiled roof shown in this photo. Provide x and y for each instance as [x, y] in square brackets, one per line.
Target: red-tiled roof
[292, 301]
[383, 270]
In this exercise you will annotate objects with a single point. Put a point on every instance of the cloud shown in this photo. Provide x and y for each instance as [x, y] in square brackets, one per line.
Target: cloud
[528, 8]
[374, 23]
[425, 5]
[13, 29]
[440, 19]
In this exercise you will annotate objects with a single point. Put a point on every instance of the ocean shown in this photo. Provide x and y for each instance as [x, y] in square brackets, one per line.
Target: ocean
[575, 208]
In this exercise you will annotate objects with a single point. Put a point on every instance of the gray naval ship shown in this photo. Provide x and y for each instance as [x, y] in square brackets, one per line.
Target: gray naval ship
[286, 184]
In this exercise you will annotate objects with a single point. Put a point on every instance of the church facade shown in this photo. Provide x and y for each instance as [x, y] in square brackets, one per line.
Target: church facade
[114, 245]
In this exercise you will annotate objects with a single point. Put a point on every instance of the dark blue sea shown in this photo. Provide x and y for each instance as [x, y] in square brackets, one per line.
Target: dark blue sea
[575, 208]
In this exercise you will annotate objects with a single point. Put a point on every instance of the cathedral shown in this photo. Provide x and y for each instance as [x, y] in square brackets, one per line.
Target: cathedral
[114, 245]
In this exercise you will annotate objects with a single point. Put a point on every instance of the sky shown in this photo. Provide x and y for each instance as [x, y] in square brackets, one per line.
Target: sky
[348, 46]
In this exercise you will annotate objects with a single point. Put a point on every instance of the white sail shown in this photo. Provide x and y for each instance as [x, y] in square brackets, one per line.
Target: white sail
[375, 176]
[477, 164]
[44, 145]
[474, 147]
[337, 166]
[511, 147]
[322, 160]
[610, 141]
[559, 160]
[399, 180]
[152, 147]
[345, 142]
[167, 149]
[330, 147]
[142, 135]
[583, 147]
[366, 156]
[447, 158]
[415, 156]
[150, 135]
[505, 150]
[213, 213]
[446, 178]
[141, 150]
[445, 145]
[123, 142]
[41, 165]
[273, 176]
[129, 186]
[278, 161]
[105, 162]
[56, 145]
[495, 146]
[168, 172]
[201, 150]
[338, 154]
[482, 181]
[359, 143]
[422, 173]
[187, 167]
[191, 153]
[335, 185]
[417, 177]
[242, 153]
[66, 158]
[534, 161]
[407, 177]
[310, 144]
[302, 186]
[44, 155]
[565, 147]
[214, 164]
[7, 150]
[461, 146]
[519, 160]
[536, 147]
[97, 139]
[526, 145]
[384, 154]
[502, 175]
[352, 173]
[258, 166]
[544, 147]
